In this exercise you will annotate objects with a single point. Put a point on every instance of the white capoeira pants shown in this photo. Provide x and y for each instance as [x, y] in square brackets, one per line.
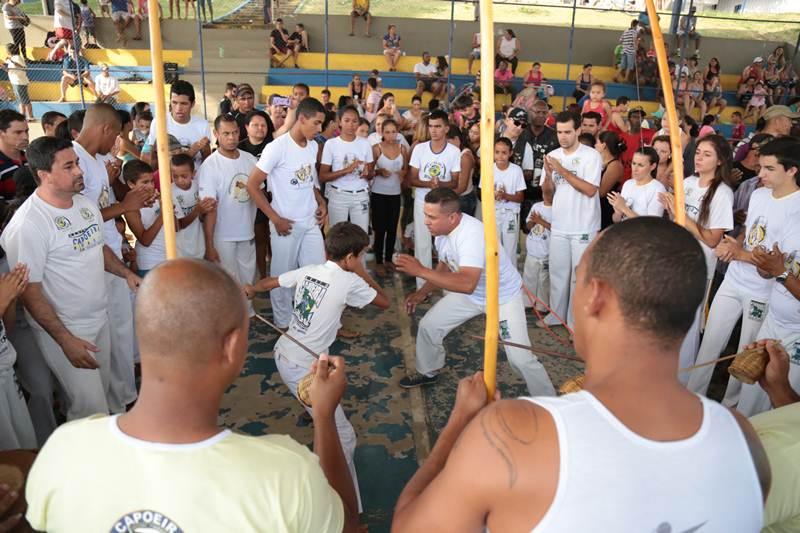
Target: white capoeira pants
[730, 303]
[455, 309]
[752, 398]
[122, 387]
[508, 232]
[345, 205]
[291, 373]
[566, 251]
[691, 342]
[303, 246]
[238, 258]
[536, 278]
[423, 246]
[35, 377]
[16, 428]
[85, 390]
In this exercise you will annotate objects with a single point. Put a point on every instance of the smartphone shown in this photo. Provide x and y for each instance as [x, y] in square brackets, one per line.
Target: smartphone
[284, 101]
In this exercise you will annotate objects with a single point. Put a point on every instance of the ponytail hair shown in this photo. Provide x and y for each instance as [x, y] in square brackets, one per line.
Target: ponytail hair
[722, 174]
[616, 146]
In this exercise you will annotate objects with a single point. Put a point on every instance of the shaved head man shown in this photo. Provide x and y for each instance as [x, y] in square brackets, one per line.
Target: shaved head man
[634, 440]
[192, 327]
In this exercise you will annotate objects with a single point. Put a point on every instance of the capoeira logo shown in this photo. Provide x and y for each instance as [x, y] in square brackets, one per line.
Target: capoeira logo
[792, 263]
[238, 189]
[504, 331]
[434, 171]
[538, 231]
[757, 233]
[62, 223]
[690, 207]
[87, 214]
[104, 199]
[757, 310]
[86, 238]
[794, 353]
[312, 292]
[145, 522]
[302, 176]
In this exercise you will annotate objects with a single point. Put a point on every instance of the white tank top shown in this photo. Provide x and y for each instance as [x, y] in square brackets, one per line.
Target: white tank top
[390, 185]
[611, 479]
[469, 178]
[507, 46]
[149, 257]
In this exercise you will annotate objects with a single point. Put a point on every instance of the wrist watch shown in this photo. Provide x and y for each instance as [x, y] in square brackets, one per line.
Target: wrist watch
[782, 278]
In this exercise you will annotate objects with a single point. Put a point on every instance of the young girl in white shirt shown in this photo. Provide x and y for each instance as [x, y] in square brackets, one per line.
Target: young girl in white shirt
[640, 194]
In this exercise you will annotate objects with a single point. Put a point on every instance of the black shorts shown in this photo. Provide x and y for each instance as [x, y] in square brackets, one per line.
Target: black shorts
[427, 84]
[364, 15]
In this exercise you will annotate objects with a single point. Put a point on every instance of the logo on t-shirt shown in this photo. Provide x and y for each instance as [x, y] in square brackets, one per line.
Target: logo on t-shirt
[794, 353]
[792, 263]
[434, 170]
[62, 223]
[757, 233]
[86, 238]
[87, 213]
[538, 231]
[104, 200]
[238, 189]
[312, 292]
[302, 176]
[145, 522]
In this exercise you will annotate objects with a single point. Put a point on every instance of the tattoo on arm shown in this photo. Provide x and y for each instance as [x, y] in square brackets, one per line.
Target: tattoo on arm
[501, 436]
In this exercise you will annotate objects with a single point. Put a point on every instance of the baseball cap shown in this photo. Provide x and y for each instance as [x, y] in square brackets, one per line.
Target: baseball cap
[779, 111]
[244, 88]
[758, 59]
[518, 114]
[174, 144]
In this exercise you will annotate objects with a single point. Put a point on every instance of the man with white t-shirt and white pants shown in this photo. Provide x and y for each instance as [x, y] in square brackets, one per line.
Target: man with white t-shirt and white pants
[574, 170]
[461, 272]
[191, 131]
[346, 166]
[57, 233]
[228, 229]
[297, 210]
[433, 164]
[101, 126]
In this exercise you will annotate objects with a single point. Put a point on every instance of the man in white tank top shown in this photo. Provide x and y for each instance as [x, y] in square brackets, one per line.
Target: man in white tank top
[621, 455]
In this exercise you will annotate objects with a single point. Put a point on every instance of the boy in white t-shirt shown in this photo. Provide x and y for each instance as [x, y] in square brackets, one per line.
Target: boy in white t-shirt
[16, 428]
[321, 293]
[228, 229]
[433, 164]
[189, 209]
[297, 210]
[536, 274]
[509, 191]
[146, 224]
[347, 166]
[574, 170]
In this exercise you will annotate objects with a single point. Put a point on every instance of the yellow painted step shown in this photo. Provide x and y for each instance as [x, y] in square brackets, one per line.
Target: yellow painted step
[124, 57]
[50, 91]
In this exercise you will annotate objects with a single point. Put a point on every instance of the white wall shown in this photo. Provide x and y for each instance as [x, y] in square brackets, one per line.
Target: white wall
[760, 6]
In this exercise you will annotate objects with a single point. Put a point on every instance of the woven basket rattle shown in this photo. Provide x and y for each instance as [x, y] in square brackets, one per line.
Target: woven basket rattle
[572, 385]
[749, 365]
[304, 389]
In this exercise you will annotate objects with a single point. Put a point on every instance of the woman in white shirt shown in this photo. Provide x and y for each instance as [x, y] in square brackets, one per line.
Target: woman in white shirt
[391, 164]
[508, 50]
[465, 189]
[640, 194]
[373, 102]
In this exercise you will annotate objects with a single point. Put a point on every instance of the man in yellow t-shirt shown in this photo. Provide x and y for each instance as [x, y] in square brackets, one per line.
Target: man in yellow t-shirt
[360, 9]
[166, 465]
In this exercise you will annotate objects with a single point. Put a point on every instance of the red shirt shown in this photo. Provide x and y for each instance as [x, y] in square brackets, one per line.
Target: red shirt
[8, 166]
[634, 141]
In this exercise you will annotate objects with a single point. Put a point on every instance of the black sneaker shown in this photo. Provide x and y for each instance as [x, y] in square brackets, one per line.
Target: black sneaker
[418, 380]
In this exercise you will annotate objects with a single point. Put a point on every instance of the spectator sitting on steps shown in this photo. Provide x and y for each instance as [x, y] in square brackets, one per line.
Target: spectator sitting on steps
[279, 44]
[360, 10]
[425, 73]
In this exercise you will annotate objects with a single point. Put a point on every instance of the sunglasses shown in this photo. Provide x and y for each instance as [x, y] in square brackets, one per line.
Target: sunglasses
[519, 123]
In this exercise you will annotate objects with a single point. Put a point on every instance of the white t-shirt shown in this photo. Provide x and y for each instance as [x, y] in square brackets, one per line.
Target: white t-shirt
[425, 70]
[432, 165]
[391, 185]
[537, 244]
[465, 247]
[63, 249]
[16, 75]
[784, 308]
[62, 20]
[769, 220]
[291, 176]
[321, 294]
[149, 257]
[187, 134]
[720, 215]
[97, 189]
[8, 355]
[643, 199]
[106, 84]
[340, 154]
[225, 180]
[511, 181]
[267, 483]
[374, 139]
[190, 240]
[574, 213]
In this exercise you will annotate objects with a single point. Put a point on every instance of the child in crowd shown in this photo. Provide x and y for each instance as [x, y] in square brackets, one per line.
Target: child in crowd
[321, 294]
[142, 128]
[640, 195]
[737, 133]
[363, 128]
[758, 102]
[597, 102]
[226, 104]
[17, 75]
[536, 274]
[509, 191]
[587, 139]
[88, 23]
[146, 223]
[16, 428]
[188, 207]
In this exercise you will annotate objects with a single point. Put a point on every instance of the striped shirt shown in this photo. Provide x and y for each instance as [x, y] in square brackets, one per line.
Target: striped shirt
[628, 40]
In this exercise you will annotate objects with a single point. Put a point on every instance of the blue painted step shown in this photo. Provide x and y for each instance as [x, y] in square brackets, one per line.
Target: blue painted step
[47, 72]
